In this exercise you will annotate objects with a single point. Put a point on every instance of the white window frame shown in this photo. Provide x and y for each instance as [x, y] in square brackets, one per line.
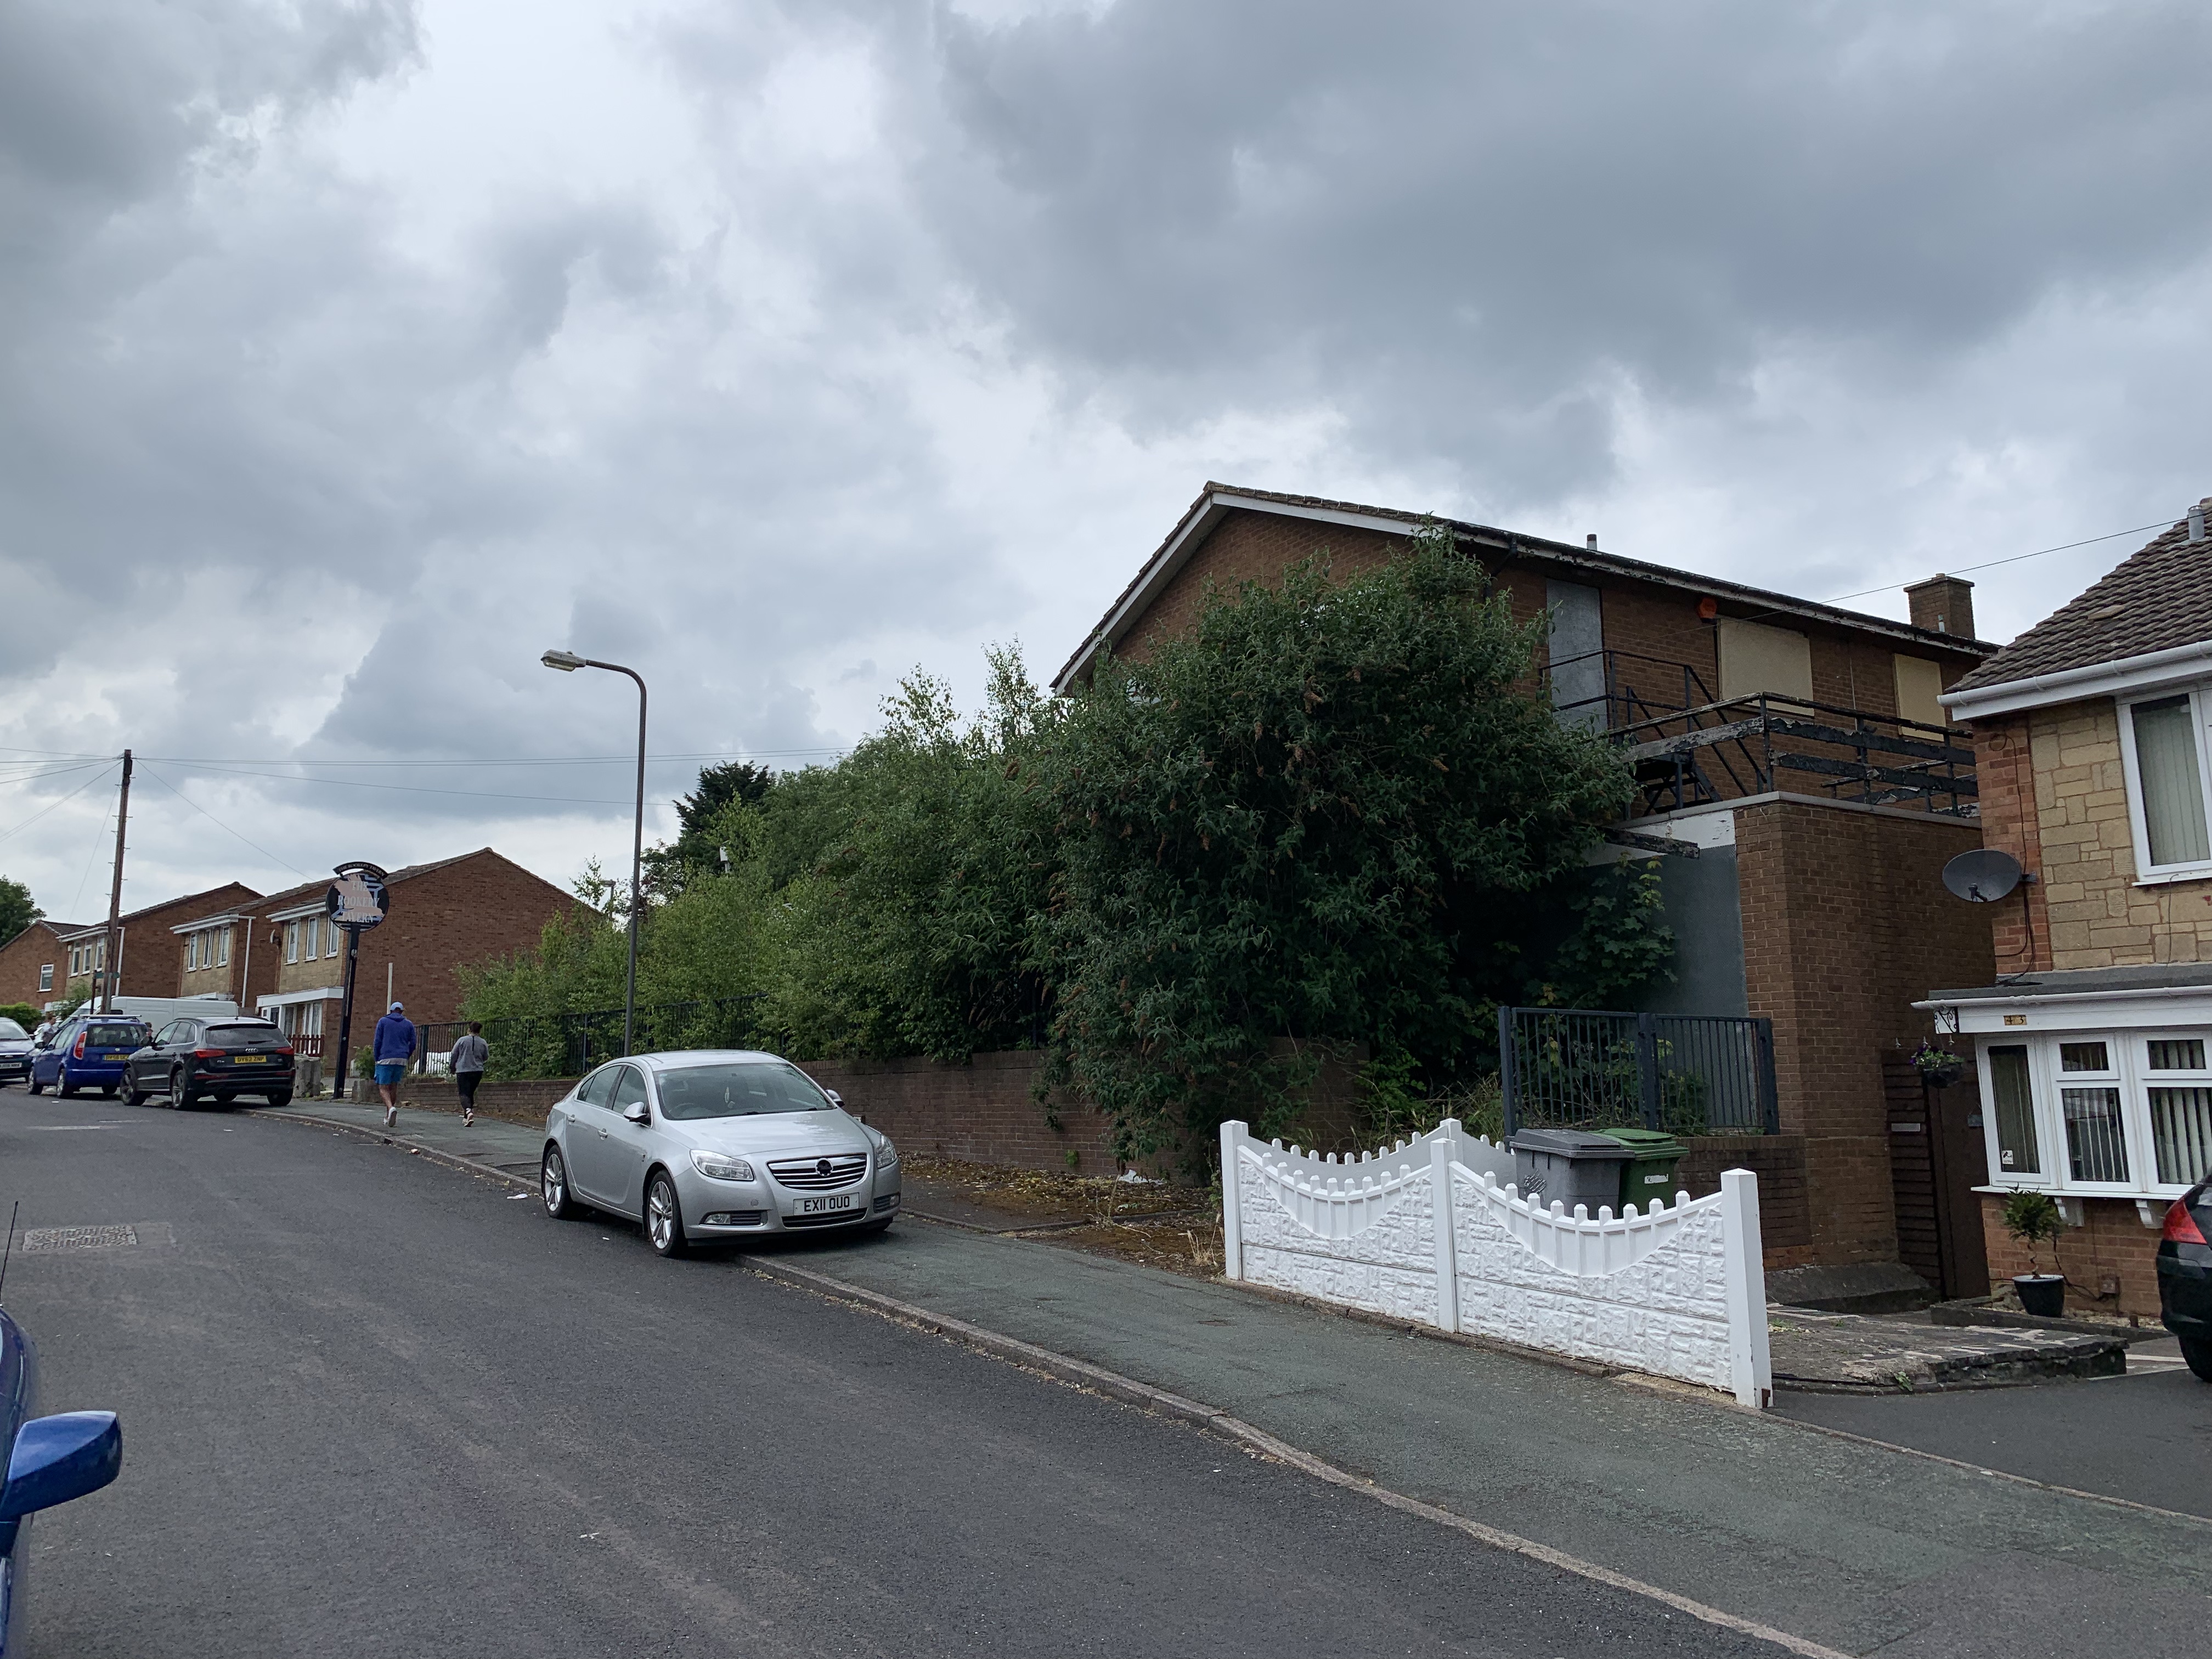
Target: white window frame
[332, 934]
[291, 941]
[222, 947]
[46, 976]
[2146, 873]
[2128, 1049]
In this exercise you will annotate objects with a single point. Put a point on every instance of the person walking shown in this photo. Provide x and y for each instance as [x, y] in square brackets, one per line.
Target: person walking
[395, 1047]
[470, 1054]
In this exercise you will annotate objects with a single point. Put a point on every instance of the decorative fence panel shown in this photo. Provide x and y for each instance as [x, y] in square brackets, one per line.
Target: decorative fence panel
[1676, 1291]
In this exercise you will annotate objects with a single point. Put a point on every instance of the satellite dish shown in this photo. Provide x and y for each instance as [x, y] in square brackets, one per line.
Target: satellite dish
[1982, 876]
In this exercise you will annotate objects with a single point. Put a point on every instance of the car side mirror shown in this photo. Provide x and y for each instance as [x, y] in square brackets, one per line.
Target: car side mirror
[835, 1099]
[638, 1112]
[60, 1458]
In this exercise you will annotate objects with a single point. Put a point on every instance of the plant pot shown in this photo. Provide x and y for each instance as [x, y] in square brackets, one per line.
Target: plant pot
[1941, 1076]
[2041, 1294]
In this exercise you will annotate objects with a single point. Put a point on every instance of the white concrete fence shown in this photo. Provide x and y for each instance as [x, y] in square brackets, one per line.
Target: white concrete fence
[1676, 1291]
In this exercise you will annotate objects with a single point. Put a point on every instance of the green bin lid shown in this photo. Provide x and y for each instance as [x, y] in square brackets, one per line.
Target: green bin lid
[1648, 1143]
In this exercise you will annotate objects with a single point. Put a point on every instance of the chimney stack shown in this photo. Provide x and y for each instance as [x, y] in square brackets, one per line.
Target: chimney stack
[1943, 605]
[2196, 522]
[1590, 542]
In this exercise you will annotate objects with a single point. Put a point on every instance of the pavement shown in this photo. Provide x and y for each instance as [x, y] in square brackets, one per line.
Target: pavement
[1857, 1546]
[374, 1406]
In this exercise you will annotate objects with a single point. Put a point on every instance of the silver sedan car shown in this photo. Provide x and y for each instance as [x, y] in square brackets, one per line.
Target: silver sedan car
[713, 1145]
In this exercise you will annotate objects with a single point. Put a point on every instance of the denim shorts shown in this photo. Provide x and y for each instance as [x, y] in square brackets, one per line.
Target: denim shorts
[390, 1071]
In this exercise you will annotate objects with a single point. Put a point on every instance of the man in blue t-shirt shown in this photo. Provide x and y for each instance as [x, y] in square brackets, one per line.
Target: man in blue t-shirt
[395, 1047]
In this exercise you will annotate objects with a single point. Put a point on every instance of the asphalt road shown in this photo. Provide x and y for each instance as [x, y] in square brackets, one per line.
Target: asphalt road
[2145, 1436]
[374, 1406]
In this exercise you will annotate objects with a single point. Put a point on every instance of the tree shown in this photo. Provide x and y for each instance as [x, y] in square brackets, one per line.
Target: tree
[1339, 820]
[698, 846]
[17, 911]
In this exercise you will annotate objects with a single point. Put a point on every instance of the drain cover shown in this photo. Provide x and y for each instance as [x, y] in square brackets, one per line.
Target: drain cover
[38, 1239]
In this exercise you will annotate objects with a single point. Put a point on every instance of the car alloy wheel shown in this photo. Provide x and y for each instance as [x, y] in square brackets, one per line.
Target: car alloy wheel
[133, 1094]
[553, 1186]
[63, 1086]
[664, 1216]
[180, 1093]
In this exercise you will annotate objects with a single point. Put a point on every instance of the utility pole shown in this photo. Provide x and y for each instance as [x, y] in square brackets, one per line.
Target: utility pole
[110, 948]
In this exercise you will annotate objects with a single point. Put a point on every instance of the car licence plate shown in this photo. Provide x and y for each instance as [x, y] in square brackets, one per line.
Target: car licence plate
[249, 1060]
[823, 1206]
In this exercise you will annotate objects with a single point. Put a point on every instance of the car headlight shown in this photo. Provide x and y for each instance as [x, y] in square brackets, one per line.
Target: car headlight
[719, 1166]
[886, 1154]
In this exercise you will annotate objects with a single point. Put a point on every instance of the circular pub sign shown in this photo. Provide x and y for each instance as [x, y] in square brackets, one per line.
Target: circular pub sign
[357, 898]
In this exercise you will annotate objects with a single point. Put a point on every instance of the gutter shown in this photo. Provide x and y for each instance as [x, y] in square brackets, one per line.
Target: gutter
[2071, 684]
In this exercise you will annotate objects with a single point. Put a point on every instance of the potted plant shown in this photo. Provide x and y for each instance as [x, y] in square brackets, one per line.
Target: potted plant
[2031, 1217]
[1939, 1068]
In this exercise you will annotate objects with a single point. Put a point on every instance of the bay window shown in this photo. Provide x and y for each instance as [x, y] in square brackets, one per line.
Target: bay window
[2122, 1112]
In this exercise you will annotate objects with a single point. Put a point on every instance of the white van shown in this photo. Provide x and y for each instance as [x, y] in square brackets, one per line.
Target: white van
[158, 1011]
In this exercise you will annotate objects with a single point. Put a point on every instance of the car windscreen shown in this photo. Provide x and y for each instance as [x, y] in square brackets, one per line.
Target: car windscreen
[738, 1088]
[11, 1032]
[242, 1036]
[105, 1036]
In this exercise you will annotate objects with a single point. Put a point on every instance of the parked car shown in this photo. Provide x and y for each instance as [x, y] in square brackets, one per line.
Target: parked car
[2184, 1276]
[87, 1051]
[194, 1059]
[52, 1461]
[715, 1146]
[15, 1052]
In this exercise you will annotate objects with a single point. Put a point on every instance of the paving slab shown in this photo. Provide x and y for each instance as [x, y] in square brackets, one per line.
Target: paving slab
[1860, 1354]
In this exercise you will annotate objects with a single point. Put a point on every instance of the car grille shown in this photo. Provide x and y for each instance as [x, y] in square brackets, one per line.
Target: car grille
[819, 1174]
[830, 1220]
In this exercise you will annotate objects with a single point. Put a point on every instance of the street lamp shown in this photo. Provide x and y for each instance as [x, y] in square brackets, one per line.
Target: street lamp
[568, 662]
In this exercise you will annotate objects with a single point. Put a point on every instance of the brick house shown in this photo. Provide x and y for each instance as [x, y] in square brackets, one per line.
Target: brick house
[442, 916]
[34, 964]
[2092, 733]
[144, 938]
[1797, 779]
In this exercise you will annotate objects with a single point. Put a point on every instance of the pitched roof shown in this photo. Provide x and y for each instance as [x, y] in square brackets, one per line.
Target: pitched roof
[145, 910]
[2157, 599]
[313, 891]
[1217, 500]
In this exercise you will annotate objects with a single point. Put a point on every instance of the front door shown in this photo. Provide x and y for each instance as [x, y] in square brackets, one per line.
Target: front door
[624, 1143]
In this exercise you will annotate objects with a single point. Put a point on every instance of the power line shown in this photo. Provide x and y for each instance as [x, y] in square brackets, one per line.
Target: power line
[219, 823]
[410, 789]
[1992, 564]
[63, 801]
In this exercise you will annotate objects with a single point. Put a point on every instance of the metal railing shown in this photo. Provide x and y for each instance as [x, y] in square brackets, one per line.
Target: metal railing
[1586, 1068]
[1689, 748]
[570, 1044]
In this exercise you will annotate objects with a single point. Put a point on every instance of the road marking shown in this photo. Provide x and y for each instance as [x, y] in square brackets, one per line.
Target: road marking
[1083, 1374]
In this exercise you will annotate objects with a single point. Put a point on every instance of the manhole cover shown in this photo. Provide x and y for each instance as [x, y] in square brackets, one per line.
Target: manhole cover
[39, 1239]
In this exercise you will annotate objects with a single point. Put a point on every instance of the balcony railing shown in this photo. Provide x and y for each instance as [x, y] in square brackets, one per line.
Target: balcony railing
[1689, 748]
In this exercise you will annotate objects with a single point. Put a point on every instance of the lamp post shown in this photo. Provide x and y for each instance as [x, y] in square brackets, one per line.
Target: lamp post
[568, 662]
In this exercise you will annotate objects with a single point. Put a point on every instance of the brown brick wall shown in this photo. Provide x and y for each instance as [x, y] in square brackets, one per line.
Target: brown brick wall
[20, 960]
[1785, 1221]
[458, 915]
[982, 1112]
[2004, 768]
[1845, 924]
[2111, 1244]
[1252, 547]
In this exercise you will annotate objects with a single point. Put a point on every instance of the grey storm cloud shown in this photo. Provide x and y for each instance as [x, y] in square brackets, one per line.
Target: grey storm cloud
[1464, 219]
[351, 352]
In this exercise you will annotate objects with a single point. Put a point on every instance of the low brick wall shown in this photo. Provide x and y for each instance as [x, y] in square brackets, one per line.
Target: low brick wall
[1785, 1222]
[982, 1112]
[523, 1100]
[2110, 1261]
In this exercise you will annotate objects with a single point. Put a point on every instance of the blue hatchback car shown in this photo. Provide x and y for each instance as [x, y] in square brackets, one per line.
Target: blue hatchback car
[87, 1052]
[50, 1459]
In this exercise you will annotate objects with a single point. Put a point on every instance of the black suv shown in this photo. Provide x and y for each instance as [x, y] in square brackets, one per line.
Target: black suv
[2184, 1276]
[219, 1059]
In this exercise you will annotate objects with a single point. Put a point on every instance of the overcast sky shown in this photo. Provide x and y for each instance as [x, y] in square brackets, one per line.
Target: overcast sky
[351, 354]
